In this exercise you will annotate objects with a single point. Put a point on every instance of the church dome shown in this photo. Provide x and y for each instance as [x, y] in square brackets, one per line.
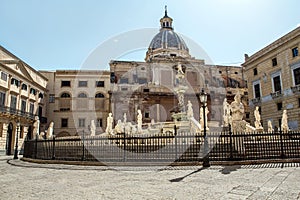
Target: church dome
[167, 43]
[167, 39]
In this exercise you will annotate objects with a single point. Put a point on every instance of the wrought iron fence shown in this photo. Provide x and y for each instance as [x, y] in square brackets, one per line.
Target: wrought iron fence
[181, 147]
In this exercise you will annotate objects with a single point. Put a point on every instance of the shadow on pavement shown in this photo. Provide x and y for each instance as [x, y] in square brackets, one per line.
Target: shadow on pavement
[183, 177]
[229, 169]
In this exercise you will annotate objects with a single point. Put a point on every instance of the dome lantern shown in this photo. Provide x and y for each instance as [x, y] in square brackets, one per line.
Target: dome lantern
[166, 21]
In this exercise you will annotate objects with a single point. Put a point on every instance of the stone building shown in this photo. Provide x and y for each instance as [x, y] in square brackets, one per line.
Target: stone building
[22, 97]
[151, 86]
[273, 76]
[75, 97]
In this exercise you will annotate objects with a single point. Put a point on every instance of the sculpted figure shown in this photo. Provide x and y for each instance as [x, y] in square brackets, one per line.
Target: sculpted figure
[109, 123]
[270, 127]
[124, 118]
[36, 127]
[237, 108]
[284, 122]
[119, 128]
[226, 113]
[179, 69]
[50, 130]
[139, 121]
[93, 128]
[257, 122]
[190, 112]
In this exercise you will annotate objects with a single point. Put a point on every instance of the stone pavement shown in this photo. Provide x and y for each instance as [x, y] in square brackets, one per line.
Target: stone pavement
[23, 180]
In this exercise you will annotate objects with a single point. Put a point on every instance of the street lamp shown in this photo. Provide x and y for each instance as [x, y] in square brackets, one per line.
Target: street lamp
[203, 100]
[17, 137]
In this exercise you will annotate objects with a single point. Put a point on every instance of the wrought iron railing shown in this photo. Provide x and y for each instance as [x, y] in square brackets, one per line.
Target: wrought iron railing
[13, 111]
[183, 147]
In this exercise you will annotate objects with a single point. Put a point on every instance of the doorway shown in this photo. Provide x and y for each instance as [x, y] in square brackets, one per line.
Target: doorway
[9, 141]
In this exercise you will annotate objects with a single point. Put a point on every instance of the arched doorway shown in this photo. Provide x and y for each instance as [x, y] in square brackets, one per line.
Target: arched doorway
[9, 140]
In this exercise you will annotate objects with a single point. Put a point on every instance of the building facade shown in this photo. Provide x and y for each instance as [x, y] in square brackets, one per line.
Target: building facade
[273, 76]
[151, 86]
[22, 97]
[75, 98]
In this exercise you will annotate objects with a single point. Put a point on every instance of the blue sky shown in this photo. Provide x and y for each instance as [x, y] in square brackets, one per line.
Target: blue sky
[59, 34]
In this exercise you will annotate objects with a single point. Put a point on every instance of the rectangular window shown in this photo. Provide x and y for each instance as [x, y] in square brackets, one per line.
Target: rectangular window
[13, 102]
[99, 83]
[295, 51]
[257, 90]
[255, 71]
[15, 82]
[82, 84]
[274, 62]
[124, 81]
[3, 76]
[277, 83]
[65, 83]
[32, 91]
[297, 76]
[51, 98]
[142, 80]
[24, 87]
[81, 122]
[2, 99]
[279, 106]
[23, 106]
[147, 115]
[64, 122]
[99, 122]
[31, 108]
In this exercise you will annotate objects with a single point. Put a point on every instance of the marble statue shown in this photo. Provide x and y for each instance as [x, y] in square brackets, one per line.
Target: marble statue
[139, 121]
[257, 122]
[109, 124]
[226, 113]
[179, 69]
[190, 112]
[119, 128]
[284, 122]
[50, 130]
[36, 127]
[41, 136]
[237, 113]
[93, 128]
[270, 126]
[125, 118]
[201, 118]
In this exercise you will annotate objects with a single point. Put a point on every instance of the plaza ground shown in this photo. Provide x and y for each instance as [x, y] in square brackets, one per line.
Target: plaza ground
[24, 180]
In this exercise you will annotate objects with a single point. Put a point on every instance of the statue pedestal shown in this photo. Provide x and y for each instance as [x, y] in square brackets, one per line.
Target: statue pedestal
[260, 129]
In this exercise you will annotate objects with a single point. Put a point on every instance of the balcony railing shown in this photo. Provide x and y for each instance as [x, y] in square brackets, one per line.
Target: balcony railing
[256, 101]
[296, 89]
[276, 94]
[13, 111]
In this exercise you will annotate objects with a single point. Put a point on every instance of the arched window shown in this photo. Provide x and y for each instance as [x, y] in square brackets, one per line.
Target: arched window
[65, 102]
[99, 95]
[65, 95]
[82, 95]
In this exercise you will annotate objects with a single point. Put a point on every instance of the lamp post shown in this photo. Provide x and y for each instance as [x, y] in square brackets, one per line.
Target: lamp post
[17, 137]
[203, 100]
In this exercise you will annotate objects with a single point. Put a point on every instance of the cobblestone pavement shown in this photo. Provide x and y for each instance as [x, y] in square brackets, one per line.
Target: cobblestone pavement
[23, 180]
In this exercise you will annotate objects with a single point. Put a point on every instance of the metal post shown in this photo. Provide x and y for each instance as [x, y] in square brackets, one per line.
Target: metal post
[231, 147]
[124, 147]
[17, 137]
[175, 134]
[83, 147]
[281, 142]
[35, 147]
[206, 153]
[53, 148]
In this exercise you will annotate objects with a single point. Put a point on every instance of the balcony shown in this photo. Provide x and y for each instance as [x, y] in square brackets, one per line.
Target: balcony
[12, 111]
[296, 89]
[256, 101]
[276, 94]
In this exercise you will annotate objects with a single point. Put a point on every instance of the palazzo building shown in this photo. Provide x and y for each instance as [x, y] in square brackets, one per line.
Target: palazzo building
[151, 85]
[273, 76]
[76, 97]
[22, 97]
